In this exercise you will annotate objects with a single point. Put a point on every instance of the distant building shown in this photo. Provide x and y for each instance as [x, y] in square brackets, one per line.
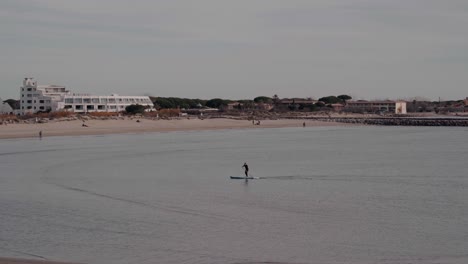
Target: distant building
[397, 107]
[233, 105]
[337, 107]
[5, 108]
[44, 98]
[242, 106]
[263, 106]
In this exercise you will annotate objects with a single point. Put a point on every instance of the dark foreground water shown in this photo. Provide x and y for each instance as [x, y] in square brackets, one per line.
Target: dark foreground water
[327, 195]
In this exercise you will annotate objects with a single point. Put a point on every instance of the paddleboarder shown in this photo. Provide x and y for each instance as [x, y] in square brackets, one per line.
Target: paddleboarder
[246, 169]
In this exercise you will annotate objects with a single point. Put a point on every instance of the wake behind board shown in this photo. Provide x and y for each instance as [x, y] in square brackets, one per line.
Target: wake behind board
[244, 178]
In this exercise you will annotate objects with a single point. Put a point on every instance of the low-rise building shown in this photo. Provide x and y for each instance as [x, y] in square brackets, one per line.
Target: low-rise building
[397, 107]
[45, 98]
[337, 107]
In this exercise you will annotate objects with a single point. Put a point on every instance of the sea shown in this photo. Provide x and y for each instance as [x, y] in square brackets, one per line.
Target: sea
[336, 195]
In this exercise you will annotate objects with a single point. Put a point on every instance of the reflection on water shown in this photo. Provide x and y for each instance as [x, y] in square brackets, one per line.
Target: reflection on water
[325, 195]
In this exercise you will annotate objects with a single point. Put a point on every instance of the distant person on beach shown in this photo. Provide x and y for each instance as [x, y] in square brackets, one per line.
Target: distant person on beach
[84, 125]
[303, 124]
[246, 169]
[40, 134]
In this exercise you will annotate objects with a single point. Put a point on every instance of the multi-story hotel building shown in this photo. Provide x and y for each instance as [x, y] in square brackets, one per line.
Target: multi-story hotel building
[36, 98]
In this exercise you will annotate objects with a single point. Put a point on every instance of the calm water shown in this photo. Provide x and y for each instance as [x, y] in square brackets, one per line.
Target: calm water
[327, 195]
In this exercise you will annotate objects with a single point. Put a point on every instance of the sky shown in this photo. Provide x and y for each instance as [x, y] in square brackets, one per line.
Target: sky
[238, 49]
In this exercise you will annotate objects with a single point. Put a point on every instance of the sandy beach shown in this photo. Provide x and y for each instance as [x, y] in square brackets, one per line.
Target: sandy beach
[99, 127]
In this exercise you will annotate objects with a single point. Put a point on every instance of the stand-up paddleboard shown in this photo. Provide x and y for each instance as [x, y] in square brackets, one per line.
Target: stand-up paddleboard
[244, 178]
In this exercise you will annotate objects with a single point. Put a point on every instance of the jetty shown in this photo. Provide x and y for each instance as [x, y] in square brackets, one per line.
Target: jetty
[397, 121]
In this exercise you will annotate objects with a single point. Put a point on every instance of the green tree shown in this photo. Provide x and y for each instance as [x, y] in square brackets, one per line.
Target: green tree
[15, 104]
[160, 102]
[135, 109]
[319, 104]
[344, 97]
[276, 99]
[216, 103]
[263, 99]
[330, 99]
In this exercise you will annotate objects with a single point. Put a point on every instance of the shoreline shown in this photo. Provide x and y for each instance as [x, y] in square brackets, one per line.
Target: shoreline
[124, 126]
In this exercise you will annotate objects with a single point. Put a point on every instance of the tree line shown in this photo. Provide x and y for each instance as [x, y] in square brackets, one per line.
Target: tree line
[175, 102]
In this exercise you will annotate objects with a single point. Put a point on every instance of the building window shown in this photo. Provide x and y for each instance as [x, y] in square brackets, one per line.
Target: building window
[34, 107]
[29, 89]
[111, 100]
[29, 107]
[104, 100]
[101, 107]
[41, 101]
[78, 101]
[95, 100]
[86, 100]
[34, 101]
[90, 107]
[69, 100]
[29, 101]
[41, 107]
[22, 89]
[78, 107]
[67, 106]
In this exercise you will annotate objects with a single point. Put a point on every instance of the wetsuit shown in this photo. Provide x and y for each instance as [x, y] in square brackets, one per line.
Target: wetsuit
[246, 167]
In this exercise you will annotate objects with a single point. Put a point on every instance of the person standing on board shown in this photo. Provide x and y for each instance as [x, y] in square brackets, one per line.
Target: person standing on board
[246, 169]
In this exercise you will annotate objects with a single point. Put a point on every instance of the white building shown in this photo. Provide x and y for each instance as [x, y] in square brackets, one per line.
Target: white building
[35, 98]
[5, 108]
[397, 107]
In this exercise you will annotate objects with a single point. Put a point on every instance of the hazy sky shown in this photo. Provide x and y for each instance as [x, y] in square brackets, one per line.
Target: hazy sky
[372, 49]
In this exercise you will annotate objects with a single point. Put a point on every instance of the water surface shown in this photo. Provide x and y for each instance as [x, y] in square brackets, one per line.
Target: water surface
[326, 195]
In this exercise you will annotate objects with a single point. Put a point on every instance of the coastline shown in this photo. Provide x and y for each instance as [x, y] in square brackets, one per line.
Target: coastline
[123, 125]
[127, 125]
